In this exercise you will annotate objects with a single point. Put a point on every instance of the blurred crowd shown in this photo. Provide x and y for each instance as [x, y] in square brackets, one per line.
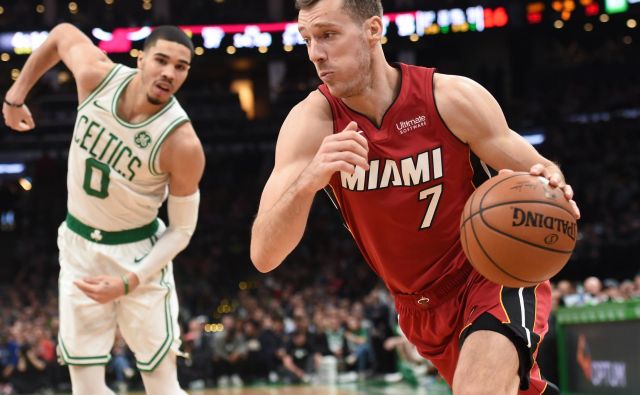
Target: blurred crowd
[273, 332]
[594, 291]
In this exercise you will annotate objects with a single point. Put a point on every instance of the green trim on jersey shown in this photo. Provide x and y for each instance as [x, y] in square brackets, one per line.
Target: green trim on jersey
[156, 147]
[111, 238]
[155, 360]
[100, 86]
[114, 107]
[84, 361]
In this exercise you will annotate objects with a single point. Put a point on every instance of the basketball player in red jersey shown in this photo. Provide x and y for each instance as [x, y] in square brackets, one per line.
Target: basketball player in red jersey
[392, 143]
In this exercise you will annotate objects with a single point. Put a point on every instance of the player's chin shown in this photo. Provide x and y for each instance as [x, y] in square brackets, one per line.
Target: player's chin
[337, 90]
[157, 100]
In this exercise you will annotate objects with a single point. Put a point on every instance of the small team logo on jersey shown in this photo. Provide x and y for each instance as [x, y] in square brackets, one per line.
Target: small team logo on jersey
[96, 235]
[411, 124]
[142, 139]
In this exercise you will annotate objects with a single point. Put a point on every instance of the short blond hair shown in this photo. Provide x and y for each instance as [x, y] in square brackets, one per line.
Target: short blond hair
[359, 10]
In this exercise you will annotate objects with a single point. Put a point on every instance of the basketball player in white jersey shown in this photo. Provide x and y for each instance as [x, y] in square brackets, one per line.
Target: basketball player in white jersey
[132, 146]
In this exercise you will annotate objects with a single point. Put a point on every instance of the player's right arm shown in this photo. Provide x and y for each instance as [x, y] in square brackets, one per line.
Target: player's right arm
[88, 64]
[308, 153]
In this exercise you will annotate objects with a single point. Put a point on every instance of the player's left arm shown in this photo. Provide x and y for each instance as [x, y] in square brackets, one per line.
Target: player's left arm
[182, 157]
[475, 117]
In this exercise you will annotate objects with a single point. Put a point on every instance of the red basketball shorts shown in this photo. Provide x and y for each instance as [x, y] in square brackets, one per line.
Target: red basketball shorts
[437, 320]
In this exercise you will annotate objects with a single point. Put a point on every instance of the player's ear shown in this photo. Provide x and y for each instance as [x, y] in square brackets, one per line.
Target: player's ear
[374, 29]
[140, 59]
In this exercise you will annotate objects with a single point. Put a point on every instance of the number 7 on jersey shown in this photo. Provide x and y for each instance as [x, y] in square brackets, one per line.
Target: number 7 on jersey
[432, 195]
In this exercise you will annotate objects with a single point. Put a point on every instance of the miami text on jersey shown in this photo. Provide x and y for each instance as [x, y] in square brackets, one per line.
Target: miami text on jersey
[383, 173]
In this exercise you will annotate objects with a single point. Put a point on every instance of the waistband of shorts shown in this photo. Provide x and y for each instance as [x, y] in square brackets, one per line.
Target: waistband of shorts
[435, 295]
[111, 238]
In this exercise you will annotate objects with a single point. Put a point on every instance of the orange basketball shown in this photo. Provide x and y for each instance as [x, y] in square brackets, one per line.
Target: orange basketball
[517, 231]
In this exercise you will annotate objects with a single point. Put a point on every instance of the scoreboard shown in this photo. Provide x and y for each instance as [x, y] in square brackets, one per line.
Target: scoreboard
[397, 26]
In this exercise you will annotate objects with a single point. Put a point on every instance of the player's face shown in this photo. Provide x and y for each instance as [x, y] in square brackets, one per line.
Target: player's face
[163, 69]
[337, 46]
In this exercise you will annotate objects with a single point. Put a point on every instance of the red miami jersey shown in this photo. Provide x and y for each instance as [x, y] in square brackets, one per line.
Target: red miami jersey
[404, 212]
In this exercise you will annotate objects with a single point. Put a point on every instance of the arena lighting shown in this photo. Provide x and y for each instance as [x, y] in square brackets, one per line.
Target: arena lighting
[592, 9]
[292, 37]
[22, 43]
[101, 34]
[139, 34]
[252, 37]
[11, 168]
[616, 6]
[120, 40]
[534, 12]
[445, 21]
[565, 9]
[535, 138]
[25, 183]
[212, 37]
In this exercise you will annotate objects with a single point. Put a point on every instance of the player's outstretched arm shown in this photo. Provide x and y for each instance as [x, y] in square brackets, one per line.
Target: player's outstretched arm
[65, 42]
[475, 117]
[307, 155]
[182, 157]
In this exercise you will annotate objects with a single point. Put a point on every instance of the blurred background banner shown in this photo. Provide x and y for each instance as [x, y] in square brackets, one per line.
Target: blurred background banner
[600, 349]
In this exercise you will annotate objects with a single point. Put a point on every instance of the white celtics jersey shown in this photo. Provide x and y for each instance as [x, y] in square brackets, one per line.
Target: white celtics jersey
[114, 181]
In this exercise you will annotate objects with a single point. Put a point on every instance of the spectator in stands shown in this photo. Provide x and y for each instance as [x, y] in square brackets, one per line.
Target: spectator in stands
[300, 358]
[121, 363]
[593, 291]
[627, 291]
[5, 356]
[26, 370]
[565, 288]
[46, 351]
[360, 354]
[332, 340]
[229, 353]
[272, 341]
[255, 367]
[411, 367]
[196, 369]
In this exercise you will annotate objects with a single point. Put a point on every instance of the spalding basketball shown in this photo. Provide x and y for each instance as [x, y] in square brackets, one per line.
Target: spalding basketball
[518, 231]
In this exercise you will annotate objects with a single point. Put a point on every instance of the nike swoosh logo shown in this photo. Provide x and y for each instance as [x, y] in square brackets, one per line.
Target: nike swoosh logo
[136, 260]
[95, 103]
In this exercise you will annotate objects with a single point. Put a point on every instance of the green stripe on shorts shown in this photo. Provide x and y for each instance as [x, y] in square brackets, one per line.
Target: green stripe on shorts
[155, 360]
[84, 361]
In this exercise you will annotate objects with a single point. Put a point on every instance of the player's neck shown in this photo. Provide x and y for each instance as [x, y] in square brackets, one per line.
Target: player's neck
[133, 105]
[379, 93]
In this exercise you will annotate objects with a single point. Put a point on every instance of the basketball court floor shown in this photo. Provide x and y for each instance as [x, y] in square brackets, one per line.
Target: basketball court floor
[350, 389]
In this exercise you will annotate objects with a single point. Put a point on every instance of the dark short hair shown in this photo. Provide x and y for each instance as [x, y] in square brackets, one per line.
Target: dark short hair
[359, 10]
[168, 33]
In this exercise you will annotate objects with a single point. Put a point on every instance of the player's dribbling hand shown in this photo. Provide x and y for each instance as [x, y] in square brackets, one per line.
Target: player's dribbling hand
[556, 180]
[17, 118]
[338, 152]
[102, 289]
